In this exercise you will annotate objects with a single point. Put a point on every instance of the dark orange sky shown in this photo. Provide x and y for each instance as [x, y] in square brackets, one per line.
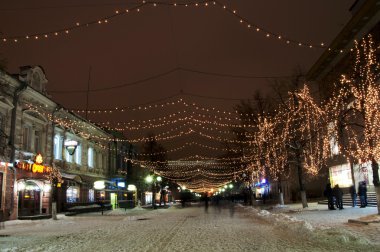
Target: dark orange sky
[159, 39]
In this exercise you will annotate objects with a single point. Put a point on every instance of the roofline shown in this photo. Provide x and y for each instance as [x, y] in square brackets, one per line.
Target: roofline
[358, 26]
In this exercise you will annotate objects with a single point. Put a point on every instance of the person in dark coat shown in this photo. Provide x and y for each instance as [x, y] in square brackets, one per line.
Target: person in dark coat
[328, 193]
[206, 199]
[363, 194]
[353, 195]
[338, 194]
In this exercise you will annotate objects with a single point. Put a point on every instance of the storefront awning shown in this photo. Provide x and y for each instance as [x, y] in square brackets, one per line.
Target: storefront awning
[74, 177]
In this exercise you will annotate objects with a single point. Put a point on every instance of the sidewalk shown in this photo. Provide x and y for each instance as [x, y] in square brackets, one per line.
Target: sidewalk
[321, 215]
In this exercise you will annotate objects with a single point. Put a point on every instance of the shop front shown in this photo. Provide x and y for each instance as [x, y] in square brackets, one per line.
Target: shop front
[33, 189]
[72, 192]
[261, 189]
[344, 176]
[7, 184]
[33, 197]
[111, 192]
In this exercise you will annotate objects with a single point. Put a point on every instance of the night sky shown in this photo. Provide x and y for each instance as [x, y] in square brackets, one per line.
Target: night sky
[200, 50]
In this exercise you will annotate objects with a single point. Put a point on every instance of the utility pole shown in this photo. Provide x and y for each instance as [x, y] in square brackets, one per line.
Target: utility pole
[88, 91]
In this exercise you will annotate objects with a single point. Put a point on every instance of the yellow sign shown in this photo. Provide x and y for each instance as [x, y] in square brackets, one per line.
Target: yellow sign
[36, 167]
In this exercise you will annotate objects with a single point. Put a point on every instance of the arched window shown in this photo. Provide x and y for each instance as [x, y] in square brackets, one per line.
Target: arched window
[90, 157]
[78, 155]
[58, 147]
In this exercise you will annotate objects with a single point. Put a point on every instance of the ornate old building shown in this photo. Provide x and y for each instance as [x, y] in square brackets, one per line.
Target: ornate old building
[37, 136]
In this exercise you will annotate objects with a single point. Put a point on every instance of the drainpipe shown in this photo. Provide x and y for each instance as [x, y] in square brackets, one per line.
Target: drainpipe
[54, 183]
[12, 137]
[58, 107]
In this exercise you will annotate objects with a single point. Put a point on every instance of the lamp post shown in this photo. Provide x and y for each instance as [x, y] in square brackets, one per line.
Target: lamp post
[151, 179]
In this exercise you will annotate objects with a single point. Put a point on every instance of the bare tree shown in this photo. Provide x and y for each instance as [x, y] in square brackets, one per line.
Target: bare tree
[301, 136]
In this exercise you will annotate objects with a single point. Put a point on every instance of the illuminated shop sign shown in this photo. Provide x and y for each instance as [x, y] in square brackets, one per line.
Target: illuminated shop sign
[35, 167]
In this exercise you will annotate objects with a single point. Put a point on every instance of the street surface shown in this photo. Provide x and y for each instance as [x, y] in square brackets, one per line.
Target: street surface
[192, 229]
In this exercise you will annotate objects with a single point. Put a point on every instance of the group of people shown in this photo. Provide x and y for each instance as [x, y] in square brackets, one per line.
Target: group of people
[335, 195]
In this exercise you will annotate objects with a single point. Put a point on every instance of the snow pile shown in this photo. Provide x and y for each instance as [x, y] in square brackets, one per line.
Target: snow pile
[283, 220]
[324, 231]
[84, 207]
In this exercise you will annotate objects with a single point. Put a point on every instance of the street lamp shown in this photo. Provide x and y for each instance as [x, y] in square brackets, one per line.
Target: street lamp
[71, 146]
[150, 179]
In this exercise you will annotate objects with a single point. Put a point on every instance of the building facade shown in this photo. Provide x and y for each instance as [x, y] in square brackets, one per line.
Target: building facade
[328, 69]
[37, 135]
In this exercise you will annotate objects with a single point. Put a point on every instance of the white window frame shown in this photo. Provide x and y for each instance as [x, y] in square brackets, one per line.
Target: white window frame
[78, 155]
[58, 146]
[90, 155]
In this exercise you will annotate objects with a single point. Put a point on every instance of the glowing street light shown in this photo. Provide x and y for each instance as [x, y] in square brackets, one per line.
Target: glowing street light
[151, 179]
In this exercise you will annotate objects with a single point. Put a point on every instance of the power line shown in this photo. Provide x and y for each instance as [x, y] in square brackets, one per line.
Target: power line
[68, 6]
[144, 80]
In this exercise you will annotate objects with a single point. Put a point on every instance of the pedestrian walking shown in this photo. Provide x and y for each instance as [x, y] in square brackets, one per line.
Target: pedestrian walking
[353, 195]
[363, 194]
[328, 193]
[206, 202]
[338, 194]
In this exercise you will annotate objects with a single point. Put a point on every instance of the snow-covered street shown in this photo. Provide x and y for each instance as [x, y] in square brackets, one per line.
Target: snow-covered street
[191, 229]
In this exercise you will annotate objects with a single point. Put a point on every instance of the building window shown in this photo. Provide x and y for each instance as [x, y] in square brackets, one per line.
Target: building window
[58, 147]
[91, 195]
[90, 157]
[72, 194]
[37, 141]
[78, 155]
[26, 138]
[69, 158]
[334, 147]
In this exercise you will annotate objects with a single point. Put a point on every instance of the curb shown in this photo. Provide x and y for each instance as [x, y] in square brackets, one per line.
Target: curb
[362, 221]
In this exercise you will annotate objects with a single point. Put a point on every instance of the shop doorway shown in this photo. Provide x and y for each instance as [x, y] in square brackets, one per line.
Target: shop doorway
[29, 199]
[113, 197]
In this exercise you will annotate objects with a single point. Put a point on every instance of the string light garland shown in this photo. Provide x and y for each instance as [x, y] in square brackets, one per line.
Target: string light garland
[138, 9]
[187, 145]
[211, 173]
[354, 108]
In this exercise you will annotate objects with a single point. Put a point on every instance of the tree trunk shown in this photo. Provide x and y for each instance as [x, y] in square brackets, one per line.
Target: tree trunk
[303, 198]
[54, 210]
[281, 194]
[300, 181]
[54, 199]
[281, 199]
[375, 170]
[154, 197]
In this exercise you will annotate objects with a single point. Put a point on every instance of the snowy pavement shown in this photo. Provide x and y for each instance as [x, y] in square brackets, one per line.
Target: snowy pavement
[289, 228]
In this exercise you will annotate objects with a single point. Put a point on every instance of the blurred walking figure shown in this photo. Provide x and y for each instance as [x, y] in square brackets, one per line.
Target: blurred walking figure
[206, 202]
[353, 195]
[328, 193]
[217, 203]
[338, 194]
[363, 193]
